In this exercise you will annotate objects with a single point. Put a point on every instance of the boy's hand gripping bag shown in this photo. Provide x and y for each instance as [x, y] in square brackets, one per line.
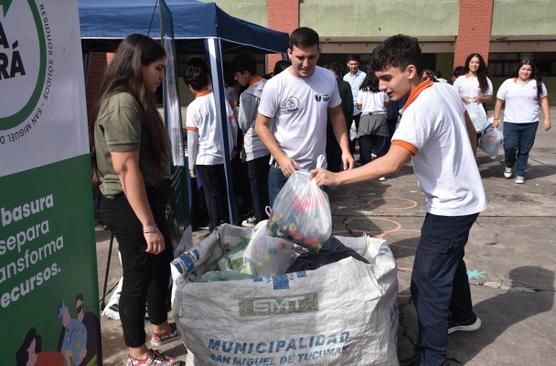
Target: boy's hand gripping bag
[301, 213]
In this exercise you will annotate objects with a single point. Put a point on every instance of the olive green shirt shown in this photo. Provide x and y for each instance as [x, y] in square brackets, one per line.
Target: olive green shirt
[120, 127]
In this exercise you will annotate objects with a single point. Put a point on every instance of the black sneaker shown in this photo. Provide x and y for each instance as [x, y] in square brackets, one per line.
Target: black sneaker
[465, 326]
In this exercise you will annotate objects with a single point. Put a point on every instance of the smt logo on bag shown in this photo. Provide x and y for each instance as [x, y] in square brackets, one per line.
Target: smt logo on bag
[267, 306]
[26, 64]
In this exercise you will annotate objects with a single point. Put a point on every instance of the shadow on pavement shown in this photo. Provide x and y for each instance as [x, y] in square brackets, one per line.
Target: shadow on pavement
[496, 168]
[501, 312]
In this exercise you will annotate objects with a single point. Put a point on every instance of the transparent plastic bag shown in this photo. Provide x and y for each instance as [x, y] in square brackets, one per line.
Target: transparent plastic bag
[266, 255]
[301, 213]
[491, 140]
[478, 116]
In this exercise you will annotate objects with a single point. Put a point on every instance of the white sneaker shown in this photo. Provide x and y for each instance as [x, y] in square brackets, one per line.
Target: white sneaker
[465, 326]
[507, 172]
[382, 179]
[519, 179]
[249, 222]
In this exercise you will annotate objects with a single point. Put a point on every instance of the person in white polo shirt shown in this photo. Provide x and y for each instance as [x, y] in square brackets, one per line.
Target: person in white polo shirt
[436, 132]
[205, 142]
[297, 102]
[354, 78]
[521, 95]
[474, 87]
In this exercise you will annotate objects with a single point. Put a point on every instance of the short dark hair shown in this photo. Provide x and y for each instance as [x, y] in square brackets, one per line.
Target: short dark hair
[196, 73]
[244, 62]
[352, 57]
[304, 37]
[281, 66]
[397, 51]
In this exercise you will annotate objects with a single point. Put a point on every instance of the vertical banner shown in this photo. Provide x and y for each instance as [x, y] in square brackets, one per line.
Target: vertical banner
[48, 276]
[180, 217]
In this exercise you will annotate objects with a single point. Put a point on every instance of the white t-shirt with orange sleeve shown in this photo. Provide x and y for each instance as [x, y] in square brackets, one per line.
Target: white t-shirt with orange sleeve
[433, 129]
[201, 117]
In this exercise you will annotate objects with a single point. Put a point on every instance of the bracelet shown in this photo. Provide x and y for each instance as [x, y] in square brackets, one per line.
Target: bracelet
[150, 229]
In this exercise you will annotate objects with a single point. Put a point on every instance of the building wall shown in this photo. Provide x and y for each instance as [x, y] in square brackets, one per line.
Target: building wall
[380, 18]
[474, 27]
[253, 11]
[356, 26]
[520, 18]
[283, 15]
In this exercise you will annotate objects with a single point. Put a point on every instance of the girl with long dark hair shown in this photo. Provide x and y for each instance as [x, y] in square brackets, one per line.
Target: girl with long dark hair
[521, 94]
[474, 86]
[133, 166]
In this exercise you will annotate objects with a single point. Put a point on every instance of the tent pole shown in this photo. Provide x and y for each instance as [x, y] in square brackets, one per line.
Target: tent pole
[213, 45]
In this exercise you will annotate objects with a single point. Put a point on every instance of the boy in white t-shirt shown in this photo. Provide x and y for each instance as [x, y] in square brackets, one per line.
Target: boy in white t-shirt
[204, 140]
[436, 132]
[297, 102]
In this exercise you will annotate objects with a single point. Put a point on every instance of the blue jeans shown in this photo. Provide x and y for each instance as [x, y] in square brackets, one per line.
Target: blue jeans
[518, 141]
[276, 181]
[439, 283]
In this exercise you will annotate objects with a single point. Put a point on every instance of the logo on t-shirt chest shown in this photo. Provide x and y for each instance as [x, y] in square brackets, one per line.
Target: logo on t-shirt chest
[291, 104]
[322, 97]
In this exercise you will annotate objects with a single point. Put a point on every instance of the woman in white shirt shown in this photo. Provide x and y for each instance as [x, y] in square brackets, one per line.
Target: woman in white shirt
[522, 95]
[373, 128]
[474, 86]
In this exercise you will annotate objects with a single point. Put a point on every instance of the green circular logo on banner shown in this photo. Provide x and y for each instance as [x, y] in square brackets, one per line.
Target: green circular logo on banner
[22, 63]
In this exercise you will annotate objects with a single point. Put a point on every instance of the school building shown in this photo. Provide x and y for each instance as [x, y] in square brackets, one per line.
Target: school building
[503, 31]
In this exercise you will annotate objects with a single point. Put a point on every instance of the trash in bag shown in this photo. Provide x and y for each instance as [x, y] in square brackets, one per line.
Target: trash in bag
[233, 260]
[301, 213]
[331, 252]
[478, 116]
[491, 140]
[266, 255]
[344, 313]
[217, 276]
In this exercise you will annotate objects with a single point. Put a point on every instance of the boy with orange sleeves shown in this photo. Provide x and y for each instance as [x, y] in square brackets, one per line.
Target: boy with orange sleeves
[436, 133]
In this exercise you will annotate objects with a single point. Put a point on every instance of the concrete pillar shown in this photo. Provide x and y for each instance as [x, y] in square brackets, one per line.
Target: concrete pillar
[474, 28]
[283, 15]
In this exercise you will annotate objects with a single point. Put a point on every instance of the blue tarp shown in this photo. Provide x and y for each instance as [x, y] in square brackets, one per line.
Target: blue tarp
[105, 23]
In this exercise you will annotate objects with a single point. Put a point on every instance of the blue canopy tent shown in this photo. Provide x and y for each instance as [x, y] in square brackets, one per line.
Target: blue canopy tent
[198, 28]
[104, 23]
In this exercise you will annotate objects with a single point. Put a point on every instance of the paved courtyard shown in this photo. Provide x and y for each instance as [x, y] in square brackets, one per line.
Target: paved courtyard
[511, 260]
